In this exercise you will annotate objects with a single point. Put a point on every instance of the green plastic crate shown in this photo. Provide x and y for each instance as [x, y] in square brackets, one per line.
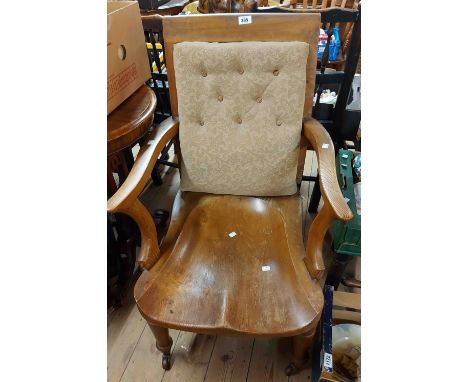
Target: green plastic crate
[347, 235]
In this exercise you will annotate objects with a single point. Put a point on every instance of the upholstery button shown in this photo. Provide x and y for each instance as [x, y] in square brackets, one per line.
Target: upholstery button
[241, 71]
[202, 123]
[259, 100]
[204, 74]
[239, 120]
[279, 122]
[275, 72]
[220, 98]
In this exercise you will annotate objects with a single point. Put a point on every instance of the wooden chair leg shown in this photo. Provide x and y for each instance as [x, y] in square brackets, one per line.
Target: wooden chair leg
[163, 344]
[301, 346]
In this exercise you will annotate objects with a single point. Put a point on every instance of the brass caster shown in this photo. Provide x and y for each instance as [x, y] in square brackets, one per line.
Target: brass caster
[166, 361]
[291, 369]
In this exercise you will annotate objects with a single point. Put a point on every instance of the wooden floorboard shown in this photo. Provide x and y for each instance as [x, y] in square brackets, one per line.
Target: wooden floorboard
[230, 359]
[123, 335]
[146, 360]
[269, 360]
[191, 356]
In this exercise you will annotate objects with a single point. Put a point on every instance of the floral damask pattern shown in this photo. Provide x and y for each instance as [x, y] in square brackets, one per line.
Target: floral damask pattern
[240, 111]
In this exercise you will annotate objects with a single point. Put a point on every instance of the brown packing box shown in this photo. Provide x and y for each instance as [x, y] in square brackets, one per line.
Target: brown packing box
[127, 59]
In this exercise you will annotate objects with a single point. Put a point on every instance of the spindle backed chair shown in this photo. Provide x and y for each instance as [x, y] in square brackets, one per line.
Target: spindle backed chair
[322, 4]
[335, 122]
[345, 28]
[152, 27]
[153, 30]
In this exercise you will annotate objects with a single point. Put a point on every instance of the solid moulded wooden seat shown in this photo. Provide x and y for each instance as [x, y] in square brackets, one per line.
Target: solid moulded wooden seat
[232, 265]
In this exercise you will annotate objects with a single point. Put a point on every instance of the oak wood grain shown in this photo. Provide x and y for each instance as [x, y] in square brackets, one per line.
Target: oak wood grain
[131, 120]
[198, 257]
[323, 146]
[230, 360]
[334, 207]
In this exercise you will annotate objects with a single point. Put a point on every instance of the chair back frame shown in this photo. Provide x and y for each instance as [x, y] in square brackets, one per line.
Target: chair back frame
[226, 28]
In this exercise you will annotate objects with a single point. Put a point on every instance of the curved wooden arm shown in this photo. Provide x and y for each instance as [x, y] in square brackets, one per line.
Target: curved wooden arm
[314, 252]
[125, 200]
[334, 206]
[149, 251]
[316, 134]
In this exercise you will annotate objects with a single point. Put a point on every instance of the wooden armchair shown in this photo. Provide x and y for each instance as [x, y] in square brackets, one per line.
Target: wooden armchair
[233, 260]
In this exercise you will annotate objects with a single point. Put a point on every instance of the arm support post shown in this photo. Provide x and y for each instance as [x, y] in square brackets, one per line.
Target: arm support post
[125, 200]
[334, 207]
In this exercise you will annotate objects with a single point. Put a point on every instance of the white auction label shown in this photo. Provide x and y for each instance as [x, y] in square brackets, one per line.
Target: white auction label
[245, 20]
[325, 146]
[265, 268]
[328, 361]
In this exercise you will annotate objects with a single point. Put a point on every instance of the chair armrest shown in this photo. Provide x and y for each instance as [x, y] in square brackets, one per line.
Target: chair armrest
[125, 200]
[318, 137]
[334, 206]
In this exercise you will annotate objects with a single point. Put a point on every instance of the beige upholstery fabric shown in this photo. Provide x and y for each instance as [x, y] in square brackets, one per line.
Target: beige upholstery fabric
[240, 111]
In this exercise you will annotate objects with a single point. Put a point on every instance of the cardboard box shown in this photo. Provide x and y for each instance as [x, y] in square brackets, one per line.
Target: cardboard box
[127, 58]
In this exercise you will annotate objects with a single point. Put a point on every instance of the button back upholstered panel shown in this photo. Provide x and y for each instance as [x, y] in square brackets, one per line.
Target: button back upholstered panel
[240, 111]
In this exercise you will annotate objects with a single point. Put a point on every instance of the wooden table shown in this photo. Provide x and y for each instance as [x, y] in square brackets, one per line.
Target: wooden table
[126, 125]
[173, 7]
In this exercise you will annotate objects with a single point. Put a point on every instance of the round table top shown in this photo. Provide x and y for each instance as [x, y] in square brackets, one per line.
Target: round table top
[131, 120]
[172, 7]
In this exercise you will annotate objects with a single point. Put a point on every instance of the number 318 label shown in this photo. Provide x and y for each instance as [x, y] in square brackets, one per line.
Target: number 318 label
[245, 20]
